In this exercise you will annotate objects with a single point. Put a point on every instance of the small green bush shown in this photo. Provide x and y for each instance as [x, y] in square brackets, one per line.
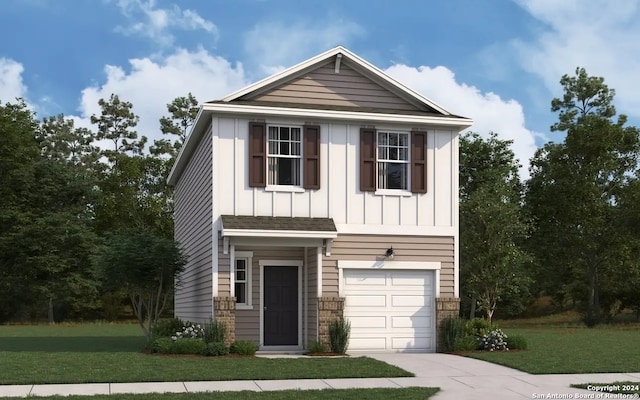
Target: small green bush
[516, 342]
[215, 349]
[214, 332]
[162, 345]
[315, 347]
[478, 327]
[339, 331]
[243, 347]
[465, 343]
[188, 346]
[496, 340]
[450, 330]
[167, 327]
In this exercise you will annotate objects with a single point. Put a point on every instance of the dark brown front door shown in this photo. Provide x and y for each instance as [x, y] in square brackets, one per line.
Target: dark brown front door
[280, 306]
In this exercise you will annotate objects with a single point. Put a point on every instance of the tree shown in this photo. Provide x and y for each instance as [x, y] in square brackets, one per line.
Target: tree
[116, 123]
[572, 196]
[146, 266]
[183, 112]
[491, 224]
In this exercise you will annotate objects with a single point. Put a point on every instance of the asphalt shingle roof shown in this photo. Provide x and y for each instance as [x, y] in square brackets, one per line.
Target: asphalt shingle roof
[278, 223]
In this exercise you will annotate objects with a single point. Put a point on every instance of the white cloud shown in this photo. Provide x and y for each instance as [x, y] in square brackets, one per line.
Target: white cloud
[489, 112]
[278, 44]
[157, 23]
[599, 35]
[150, 85]
[11, 84]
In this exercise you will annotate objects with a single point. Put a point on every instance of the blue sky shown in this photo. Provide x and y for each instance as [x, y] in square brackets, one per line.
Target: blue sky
[498, 61]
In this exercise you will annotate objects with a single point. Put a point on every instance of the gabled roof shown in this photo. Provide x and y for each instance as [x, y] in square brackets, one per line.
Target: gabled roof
[343, 55]
[411, 107]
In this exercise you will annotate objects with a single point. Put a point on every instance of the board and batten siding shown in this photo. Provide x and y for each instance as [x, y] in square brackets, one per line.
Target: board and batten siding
[348, 88]
[193, 232]
[248, 321]
[339, 196]
[406, 248]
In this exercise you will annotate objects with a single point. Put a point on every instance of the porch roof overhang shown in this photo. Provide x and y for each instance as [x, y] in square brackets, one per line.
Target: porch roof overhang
[278, 227]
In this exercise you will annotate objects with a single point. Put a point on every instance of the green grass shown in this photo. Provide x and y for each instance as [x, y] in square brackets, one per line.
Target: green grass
[625, 387]
[411, 393]
[564, 347]
[111, 353]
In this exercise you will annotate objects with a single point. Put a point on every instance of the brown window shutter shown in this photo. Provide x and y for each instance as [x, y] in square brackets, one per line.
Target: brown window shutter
[367, 159]
[311, 157]
[257, 154]
[418, 162]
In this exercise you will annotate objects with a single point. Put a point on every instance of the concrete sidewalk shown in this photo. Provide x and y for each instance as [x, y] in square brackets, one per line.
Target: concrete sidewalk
[457, 377]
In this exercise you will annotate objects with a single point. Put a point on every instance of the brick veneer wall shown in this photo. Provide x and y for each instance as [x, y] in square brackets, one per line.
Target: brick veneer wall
[329, 309]
[446, 307]
[225, 312]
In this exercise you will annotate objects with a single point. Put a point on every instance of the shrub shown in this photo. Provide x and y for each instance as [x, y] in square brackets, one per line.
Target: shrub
[478, 327]
[339, 331]
[465, 343]
[495, 340]
[243, 347]
[188, 346]
[215, 349]
[517, 342]
[167, 327]
[162, 345]
[189, 331]
[214, 332]
[450, 330]
[315, 347]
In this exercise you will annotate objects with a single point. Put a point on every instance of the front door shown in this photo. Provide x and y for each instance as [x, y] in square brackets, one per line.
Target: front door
[280, 306]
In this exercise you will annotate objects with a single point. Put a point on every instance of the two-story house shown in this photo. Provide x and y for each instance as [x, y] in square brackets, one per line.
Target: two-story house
[327, 190]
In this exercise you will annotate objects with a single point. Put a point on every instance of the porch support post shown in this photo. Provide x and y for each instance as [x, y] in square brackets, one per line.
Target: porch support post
[329, 309]
[225, 311]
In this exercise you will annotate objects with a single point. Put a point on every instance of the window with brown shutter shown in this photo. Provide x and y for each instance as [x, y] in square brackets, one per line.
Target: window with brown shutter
[367, 159]
[311, 154]
[257, 154]
[418, 162]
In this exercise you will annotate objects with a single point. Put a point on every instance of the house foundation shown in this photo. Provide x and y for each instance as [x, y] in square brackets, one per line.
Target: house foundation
[329, 309]
[446, 307]
[225, 312]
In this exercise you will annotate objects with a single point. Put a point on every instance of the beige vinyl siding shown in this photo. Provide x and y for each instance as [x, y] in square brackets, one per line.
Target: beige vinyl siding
[224, 268]
[311, 289]
[407, 248]
[248, 321]
[193, 231]
[347, 88]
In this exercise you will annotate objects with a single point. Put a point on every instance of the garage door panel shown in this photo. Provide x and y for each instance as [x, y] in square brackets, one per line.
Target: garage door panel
[411, 322]
[360, 300]
[368, 322]
[408, 343]
[389, 310]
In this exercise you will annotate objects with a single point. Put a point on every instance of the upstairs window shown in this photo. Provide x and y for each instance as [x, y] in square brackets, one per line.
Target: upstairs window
[284, 155]
[393, 160]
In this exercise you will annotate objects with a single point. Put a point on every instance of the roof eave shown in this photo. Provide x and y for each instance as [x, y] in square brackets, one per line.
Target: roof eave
[272, 233]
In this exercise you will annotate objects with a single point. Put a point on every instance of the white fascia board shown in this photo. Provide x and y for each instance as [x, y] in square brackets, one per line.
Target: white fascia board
[278, 234]
[385, 264]
[284, 73]
[317, 114]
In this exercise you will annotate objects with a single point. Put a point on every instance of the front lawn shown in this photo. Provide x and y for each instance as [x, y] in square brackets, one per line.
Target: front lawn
[111, 353]
[412, 393]
[566, 350]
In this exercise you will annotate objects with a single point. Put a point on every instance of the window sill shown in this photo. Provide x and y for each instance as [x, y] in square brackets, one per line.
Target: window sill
[284, 188]
[244, 307]
[392, 192]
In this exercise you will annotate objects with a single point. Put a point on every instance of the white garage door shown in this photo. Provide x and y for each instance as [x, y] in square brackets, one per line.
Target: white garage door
[390, 310]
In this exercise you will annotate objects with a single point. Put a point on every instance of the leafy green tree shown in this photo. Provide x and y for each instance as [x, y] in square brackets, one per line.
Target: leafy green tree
[182, 115]
[572, 196]
[116, 123]
[146, 266]
[491, 225]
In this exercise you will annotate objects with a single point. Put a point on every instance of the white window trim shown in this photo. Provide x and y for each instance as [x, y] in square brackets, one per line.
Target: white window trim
[248, 257]
[286, 188]
[394, 192]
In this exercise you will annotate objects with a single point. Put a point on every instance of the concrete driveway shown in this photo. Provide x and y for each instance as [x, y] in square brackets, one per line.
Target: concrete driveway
[466, 378]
